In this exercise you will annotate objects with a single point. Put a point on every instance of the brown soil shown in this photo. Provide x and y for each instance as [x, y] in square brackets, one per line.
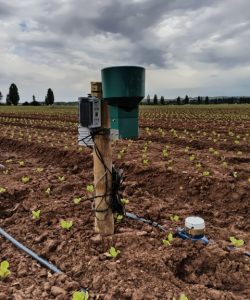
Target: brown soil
[145, 268]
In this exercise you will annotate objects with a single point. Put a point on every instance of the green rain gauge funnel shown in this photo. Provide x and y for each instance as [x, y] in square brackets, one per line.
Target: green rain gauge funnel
[123, 88]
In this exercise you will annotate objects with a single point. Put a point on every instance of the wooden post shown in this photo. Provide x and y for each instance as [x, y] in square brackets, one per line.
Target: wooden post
[104, 219]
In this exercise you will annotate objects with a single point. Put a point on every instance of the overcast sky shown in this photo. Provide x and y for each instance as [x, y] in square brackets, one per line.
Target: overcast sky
[194, 47]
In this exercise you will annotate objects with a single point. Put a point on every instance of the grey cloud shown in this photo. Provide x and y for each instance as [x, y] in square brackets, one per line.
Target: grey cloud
[49, 44]
[134, 21]
[235, 31]
[213, 56]
[130, 19]
[89, 34]
[5, 10]
[150, 56]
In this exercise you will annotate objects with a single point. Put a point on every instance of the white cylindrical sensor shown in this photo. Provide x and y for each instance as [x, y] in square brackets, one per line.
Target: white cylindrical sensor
[195, 226]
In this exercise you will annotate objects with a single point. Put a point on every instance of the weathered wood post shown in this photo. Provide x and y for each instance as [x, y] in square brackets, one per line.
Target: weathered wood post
[104, 220]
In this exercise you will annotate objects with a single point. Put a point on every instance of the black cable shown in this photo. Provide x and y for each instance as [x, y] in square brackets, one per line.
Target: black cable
[83, 140]
[115, 203]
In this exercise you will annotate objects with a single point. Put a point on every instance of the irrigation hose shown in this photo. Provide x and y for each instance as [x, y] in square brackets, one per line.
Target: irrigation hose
[155, 224]
[54, 269]
[30, 252]
[135, 217]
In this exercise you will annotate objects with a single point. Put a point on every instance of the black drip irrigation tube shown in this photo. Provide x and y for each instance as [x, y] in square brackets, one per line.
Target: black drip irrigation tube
[31, 253]
[49, 265]
[135, 217]
[54, 269]
[42, 261]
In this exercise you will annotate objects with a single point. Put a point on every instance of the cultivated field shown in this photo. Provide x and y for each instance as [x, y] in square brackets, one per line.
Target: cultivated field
[189, 160]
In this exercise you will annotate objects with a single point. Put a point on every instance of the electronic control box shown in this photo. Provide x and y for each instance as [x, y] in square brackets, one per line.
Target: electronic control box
[89, 112]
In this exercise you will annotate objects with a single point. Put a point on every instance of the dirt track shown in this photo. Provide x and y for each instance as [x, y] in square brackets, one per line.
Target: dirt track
[166, 185]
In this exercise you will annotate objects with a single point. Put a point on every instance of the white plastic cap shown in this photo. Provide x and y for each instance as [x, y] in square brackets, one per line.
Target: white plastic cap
[195, 223]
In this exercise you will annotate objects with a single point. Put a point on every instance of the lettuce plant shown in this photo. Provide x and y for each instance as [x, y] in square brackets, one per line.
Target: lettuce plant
[2, 190]
[198, 165]
[182, 297]
[206, 173]
[168, 239]
[25, 179]
[148, 131]
[77, 200]
[235, 174]
[4, 269]
[90, 188]
[66, 224]
[119, 218]
[192, 157]
[165, 152]
[145, 149]
[174, 218]
[61, 178]
[21, 163]
[236, 242]
[47, 191]
[124, 201]
[113, 252]
[36, 214]
[122, 152]
[83, 295]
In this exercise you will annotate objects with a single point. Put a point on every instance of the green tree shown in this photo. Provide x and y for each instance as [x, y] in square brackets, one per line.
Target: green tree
[13, 94]
[33, 98]
[199, 100]
[178, 100]
[8, 99]
[206, 100]
[49, 100]
[186, 100]
[162, 101]
[148, 99]
[155, 99]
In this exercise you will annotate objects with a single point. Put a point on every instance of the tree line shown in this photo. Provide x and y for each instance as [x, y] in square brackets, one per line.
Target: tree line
[13, 98]
[196, 100]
